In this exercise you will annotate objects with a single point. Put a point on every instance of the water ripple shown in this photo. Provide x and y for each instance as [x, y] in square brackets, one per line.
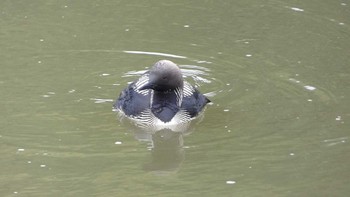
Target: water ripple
[156, 54]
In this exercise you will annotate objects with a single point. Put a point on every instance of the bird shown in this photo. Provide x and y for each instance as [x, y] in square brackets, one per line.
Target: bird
[161, 97]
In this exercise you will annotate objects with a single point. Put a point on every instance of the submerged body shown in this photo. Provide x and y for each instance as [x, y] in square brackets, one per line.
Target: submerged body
[161, 96]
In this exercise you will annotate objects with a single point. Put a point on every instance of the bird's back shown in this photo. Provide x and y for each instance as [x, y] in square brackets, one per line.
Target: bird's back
[132, 102]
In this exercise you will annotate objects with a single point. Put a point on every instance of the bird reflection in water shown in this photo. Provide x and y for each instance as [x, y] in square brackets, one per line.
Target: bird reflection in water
[167, 151]
[166, 145]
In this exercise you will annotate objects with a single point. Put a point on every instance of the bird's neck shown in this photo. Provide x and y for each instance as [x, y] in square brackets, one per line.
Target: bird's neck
[165, 104]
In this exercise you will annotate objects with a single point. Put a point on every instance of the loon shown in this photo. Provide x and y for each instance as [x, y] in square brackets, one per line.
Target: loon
[161, 96]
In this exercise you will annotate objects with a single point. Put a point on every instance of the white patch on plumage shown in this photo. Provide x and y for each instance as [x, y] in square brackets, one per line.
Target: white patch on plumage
[179, 96]
[148, 120]
[151, 97]
[140, 82]
[188, 89]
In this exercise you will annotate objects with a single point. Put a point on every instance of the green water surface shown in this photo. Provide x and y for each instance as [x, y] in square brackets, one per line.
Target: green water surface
[277, 72]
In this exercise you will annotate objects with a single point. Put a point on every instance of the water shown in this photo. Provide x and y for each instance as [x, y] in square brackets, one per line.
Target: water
[276, 71]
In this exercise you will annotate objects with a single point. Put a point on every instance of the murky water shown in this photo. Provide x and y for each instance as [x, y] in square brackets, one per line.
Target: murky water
[277, 72]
